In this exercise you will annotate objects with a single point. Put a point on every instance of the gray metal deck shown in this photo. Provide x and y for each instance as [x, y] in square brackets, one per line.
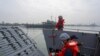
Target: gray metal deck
[14, 42]
[89, 40]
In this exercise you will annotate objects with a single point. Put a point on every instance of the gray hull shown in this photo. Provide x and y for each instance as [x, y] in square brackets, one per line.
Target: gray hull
[90, 41]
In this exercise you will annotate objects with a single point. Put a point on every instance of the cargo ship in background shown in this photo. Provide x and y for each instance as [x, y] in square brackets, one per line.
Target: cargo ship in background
[47, 24]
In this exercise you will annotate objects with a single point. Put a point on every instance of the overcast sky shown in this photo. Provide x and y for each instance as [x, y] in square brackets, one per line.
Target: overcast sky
[37, 11]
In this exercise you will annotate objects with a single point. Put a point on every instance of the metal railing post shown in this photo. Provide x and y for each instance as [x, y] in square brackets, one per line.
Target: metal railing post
[98, 46]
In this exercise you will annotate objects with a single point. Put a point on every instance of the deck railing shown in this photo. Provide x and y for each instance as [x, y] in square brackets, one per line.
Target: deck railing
[82, 30]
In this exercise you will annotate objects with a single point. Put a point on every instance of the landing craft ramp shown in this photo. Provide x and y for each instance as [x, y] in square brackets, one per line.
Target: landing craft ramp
[90, 41]
[14, 42]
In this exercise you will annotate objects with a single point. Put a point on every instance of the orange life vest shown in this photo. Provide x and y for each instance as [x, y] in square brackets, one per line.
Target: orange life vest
[72, 44]
[60, 23]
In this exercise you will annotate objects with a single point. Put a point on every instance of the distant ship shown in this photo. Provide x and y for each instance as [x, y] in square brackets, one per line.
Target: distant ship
[47, 24]
[14, 42]
[90, 40]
